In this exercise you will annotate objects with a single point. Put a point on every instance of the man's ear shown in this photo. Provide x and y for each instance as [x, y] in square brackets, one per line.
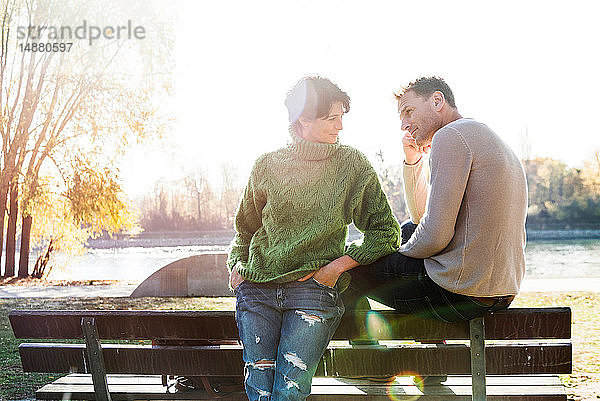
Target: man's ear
[437, 100]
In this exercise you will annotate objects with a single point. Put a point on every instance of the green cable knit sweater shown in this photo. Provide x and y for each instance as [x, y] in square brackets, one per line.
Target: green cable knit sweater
[295, 211]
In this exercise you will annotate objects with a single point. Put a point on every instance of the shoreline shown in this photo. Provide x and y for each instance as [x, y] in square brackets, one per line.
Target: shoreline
[223, 238]
[119, 289]
[542, 235]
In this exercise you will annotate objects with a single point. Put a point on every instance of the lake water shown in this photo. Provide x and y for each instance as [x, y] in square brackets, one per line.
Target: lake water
[544, 258]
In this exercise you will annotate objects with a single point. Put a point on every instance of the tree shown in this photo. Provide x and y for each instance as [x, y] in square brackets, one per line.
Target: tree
[206, 202]
[191, 203]
[62, 107]
[96, 199]
[591, 175]
[56, 226]
[230, 193]
[560, 194]
[392, 182]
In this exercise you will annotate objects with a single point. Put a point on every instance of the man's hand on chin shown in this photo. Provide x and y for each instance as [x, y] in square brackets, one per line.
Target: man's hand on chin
[412, 151]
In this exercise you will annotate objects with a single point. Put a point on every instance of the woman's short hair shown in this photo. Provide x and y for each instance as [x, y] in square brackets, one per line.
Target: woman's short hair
[312, 97]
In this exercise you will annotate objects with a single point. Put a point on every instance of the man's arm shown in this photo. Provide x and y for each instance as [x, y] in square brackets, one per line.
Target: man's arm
[416, 188]
[450, 168]
[416, 178]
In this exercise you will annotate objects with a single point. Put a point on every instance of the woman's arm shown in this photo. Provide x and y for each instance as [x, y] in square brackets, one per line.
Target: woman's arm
[373, 216]
[248, 220]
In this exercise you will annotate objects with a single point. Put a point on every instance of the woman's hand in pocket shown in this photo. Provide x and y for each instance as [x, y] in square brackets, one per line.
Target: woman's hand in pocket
[235, 278]
[323, 276]
[329, 274]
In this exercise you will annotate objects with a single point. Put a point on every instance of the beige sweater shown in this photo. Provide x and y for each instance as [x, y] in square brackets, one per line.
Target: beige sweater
[471, 213]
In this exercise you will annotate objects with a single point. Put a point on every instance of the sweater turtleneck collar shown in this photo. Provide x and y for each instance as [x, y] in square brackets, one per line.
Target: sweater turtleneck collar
[307, 150]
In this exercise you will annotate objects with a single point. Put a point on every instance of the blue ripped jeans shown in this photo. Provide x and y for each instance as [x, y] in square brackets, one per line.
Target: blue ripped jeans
[285, 329]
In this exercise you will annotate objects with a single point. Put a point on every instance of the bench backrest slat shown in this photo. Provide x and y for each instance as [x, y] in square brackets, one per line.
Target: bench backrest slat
[512, 324]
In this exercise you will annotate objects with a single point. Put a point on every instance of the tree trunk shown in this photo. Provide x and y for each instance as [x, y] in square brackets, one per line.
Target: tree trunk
[11, 232]
[25, 241]
[199, 206]
[3, 196]
[39, 270]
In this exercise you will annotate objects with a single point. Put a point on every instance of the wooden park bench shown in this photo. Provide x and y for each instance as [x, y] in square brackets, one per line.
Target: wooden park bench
[523, 368]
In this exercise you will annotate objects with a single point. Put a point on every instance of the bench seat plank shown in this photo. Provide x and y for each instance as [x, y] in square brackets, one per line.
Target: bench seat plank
[499, 388]
[431, 359]
[512, 324]
[428, 359]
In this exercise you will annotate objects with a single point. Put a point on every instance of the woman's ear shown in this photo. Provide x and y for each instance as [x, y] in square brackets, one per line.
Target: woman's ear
[305, 122]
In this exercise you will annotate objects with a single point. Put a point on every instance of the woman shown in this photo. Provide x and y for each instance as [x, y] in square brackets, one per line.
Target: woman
[288, 255]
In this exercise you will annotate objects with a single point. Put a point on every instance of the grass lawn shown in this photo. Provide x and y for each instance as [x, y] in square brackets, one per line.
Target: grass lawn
[583, 384]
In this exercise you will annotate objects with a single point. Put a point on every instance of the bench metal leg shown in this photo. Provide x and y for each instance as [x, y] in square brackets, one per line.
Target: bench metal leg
[95, 358]
[478, 359]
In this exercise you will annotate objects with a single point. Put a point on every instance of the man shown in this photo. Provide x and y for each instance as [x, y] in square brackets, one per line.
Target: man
[465, 257]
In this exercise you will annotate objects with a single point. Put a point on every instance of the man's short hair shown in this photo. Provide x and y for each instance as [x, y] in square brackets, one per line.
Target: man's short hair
[425, 86]
[312, 97]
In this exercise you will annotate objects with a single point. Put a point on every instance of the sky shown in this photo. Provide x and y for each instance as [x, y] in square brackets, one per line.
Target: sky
[527, 69]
